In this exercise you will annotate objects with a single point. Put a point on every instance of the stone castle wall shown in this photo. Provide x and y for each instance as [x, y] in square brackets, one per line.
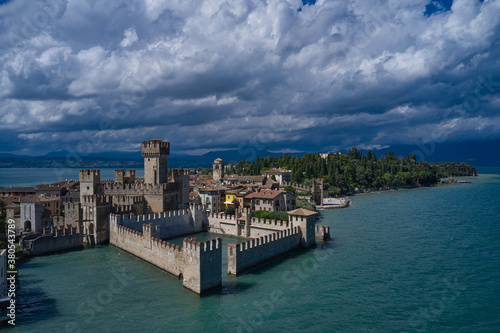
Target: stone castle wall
[170, 224]
[198, 264]
[262, 227]
[55, 240]
[72, 213]
[322, 232]
[158, 197]
[251, 227]
[222, 224]
[257, 251]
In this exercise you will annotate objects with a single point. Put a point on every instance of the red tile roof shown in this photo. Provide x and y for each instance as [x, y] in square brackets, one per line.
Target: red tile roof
[264, 194]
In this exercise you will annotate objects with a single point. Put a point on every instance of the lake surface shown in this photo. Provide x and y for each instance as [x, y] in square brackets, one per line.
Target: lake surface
[34, 176]
[419, 260]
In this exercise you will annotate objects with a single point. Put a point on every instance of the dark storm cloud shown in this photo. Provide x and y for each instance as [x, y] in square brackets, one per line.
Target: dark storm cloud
[228, 74]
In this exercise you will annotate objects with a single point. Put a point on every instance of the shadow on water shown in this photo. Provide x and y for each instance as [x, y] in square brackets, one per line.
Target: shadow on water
[286, 258]
[277, 261]
[233, 287]
[30, 264]
[33, 305]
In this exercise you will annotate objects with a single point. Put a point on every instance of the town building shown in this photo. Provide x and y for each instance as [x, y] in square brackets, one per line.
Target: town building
[271, 200]
[17, 191]
[212, 198]
[281, 175]
[34, 216]
[231, 196]
[218, 169]
[53, 191]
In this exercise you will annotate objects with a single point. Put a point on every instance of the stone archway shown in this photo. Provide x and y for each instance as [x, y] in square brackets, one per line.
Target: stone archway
[91, 229]
[27, 225]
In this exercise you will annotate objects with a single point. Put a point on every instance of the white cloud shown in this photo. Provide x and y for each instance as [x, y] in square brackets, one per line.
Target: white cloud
[216, 73]
[130, 38]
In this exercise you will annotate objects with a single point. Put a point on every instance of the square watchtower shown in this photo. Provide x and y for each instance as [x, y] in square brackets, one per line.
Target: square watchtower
[155, 154]
[90, 180]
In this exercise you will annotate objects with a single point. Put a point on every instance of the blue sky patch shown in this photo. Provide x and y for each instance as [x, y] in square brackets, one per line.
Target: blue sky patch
[437, 6]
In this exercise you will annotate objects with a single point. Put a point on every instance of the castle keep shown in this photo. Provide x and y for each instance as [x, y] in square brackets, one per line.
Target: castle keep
[155, 194]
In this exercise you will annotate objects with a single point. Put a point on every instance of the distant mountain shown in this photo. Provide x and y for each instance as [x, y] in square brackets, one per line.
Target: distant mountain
[7, 155]
[477, 153]
[111, 154]
[474, 153]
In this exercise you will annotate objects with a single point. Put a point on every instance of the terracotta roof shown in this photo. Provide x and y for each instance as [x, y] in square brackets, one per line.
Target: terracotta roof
[60, 183]
[270, 183]
[48, 188]
[10, 200]
[17, 189]
[30, 198]
[38, 198]
[302, 212]
[264, 194]
[259, 179]
[277, 171]
[71, 184]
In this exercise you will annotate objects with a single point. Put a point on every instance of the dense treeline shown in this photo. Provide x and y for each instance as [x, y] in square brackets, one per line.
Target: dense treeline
[344, 173]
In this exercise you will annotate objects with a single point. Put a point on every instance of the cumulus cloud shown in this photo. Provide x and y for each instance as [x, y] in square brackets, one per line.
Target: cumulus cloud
[130, 38]
[210, 75]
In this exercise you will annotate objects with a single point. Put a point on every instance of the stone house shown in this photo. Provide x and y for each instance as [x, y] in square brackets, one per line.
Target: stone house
[33, 215]
[282, 176]
[271, 200]
[211, 198]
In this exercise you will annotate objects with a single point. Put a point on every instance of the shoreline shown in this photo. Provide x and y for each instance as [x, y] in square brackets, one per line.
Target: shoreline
[389, 188]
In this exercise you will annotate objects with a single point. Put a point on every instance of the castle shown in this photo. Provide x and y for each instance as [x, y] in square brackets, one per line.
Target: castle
[126, 195]
[137, 216]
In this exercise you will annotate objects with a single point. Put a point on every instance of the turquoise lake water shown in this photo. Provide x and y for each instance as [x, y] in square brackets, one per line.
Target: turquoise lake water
[33, 176]
[419, 260]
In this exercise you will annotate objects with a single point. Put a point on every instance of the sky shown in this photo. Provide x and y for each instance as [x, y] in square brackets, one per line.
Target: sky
[284, 76]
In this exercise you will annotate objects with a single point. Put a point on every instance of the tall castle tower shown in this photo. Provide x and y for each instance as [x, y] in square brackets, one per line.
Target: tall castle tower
[89, 182]
[218, 169]
[155, 154]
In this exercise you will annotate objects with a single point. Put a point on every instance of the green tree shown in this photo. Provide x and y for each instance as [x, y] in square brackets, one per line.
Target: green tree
[290, 189]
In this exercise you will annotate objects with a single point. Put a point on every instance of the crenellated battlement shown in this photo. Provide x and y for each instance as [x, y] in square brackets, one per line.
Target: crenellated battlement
[61, 231]
[192, 246]
[89, 172]
[155, 147]
[71, 205]
[196, 207]
[132, 218]
[165, 245]
[269, 223]
[122, 199]
[56, 239]
[180, 172]
[128, 232]
[124, 176]
[222, 216]
[298, 186]
[322, 232]
[89, 175]
[137, 187]
[257, 251]
[263, 240]
[96, 199]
